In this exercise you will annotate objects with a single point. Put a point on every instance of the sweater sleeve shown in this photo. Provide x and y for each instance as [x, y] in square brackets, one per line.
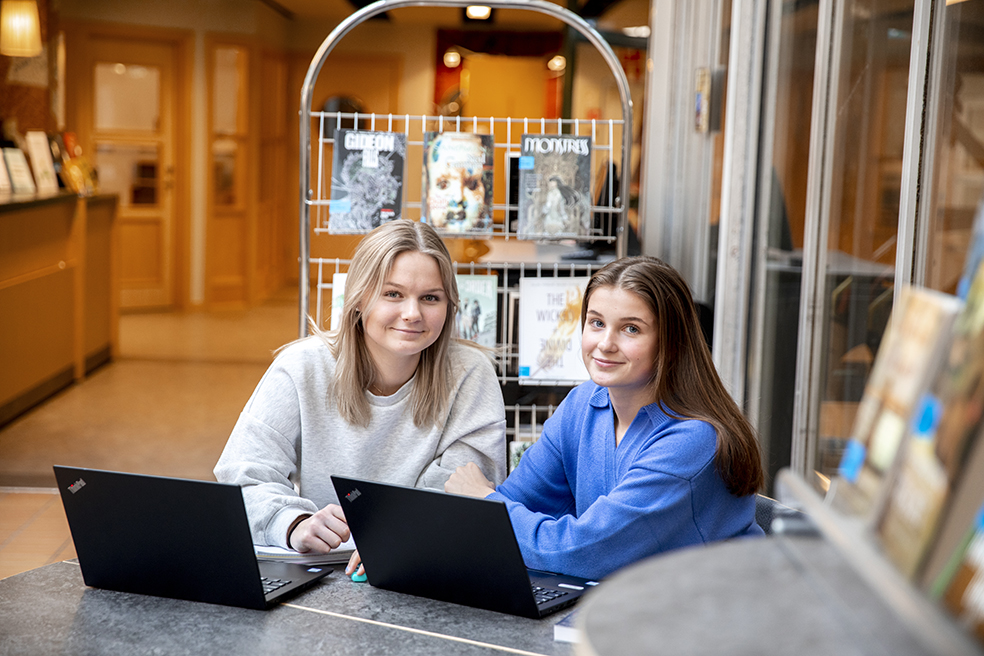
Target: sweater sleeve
[475, 430]
[261, 457]
[650, 509]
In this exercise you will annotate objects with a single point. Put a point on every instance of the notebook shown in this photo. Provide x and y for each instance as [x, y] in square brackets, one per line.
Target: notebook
[448, 547]
[172, 537]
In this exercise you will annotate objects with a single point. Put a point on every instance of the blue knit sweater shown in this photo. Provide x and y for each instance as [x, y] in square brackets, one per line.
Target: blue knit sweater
[581, 506]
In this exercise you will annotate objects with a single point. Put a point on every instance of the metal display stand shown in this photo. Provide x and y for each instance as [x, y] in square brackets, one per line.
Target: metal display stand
[611, 141]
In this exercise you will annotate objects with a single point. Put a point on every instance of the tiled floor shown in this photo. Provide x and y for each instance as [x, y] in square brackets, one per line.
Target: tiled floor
[166, 407]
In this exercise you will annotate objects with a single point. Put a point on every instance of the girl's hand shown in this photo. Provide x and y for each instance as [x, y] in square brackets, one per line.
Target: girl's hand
[469, 481]
[321, 532]
[355, 562]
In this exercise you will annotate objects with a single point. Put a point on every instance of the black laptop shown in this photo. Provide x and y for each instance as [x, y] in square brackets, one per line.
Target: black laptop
[448, 547]
[172, 537]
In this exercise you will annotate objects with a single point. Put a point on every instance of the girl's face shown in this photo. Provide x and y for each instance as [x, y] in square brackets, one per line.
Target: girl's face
[618, 342]
[409, 314]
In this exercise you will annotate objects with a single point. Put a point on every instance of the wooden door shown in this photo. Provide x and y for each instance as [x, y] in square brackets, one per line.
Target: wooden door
[129, 123]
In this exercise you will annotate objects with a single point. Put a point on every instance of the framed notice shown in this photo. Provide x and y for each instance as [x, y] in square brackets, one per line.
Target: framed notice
[21, 180]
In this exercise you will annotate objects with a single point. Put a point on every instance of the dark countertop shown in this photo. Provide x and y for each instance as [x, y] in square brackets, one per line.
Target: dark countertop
[49, 610]
[16, 202]
[779, 595]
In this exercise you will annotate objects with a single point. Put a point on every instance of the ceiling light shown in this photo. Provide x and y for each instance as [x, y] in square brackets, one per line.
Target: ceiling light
[478, 12]
[452, 58]
[20, 29]
[558, 63]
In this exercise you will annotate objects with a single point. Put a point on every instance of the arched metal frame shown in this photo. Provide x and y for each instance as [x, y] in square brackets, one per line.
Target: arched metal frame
[541, 6]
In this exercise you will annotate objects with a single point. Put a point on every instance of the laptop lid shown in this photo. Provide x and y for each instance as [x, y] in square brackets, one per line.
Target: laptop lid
[170, 537]
[446, 547]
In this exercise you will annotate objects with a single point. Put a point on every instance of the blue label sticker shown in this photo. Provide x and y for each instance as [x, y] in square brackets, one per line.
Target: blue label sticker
[851, 461]
[524, 371]
[526, 163]
[343, 205]
[927, 417]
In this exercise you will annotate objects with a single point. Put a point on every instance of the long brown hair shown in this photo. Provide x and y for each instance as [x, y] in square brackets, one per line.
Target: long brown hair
[354, 369]
[684, 380]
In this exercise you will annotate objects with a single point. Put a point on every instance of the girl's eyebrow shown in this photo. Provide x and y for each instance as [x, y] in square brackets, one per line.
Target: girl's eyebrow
[622, 319]
[401, 287]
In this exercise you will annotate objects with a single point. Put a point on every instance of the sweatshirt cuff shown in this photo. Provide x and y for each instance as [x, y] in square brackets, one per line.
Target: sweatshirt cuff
[276, 532]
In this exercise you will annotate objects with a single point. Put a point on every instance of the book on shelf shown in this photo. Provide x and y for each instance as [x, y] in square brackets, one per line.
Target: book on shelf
[566, 629]
[554, 186]
[366, 180]
[961, 588]
[456, 186]
[944, 430]
[478, 305]
[975, 251]
[550, 330]
[5, 187]
[39, 150]
[960, 514]
[912, 347]
[337, 299]
[21, 180]
[516, 450]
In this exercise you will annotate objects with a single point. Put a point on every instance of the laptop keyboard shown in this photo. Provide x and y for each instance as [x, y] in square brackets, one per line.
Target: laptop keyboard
[270, 585]
[544, 595]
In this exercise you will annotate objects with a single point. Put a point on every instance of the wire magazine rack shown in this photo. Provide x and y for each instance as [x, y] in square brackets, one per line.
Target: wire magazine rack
[611, 141]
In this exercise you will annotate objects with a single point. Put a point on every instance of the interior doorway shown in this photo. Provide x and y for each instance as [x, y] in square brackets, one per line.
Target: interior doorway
[125, 93]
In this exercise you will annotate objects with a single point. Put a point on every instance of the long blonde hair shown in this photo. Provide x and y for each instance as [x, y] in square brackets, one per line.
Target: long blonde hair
[354, 368]
[684, 380]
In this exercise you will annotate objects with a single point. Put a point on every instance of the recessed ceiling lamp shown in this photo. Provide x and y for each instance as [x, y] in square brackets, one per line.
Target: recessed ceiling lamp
[557, 63]
[20, 29]
[452, 58]
[478, 12]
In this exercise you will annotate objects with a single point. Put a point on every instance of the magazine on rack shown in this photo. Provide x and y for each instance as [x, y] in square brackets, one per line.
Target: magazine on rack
[555, 186]
[943, 432]
[366, 180]
[550, 330]
[477, 308]
[456, 189]
[912, 347]
[337, 299]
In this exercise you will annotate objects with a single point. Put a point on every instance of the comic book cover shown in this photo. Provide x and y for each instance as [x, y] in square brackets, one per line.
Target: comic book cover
[366, 180]
[550, 330]
[456, 189]
[911, 350]
[554, 186]
[477, 308]
[944, 431]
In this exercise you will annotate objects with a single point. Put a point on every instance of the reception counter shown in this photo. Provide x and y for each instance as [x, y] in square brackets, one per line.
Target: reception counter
[58, 296]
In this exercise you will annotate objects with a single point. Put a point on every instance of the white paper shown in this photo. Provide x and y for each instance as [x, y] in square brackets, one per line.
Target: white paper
[44, 168]
[20, 173]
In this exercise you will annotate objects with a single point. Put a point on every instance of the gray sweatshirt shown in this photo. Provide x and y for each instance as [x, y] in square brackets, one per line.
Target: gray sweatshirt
[290, 433]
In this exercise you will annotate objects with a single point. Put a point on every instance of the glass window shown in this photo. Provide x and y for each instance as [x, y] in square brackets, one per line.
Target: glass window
[958, 174]
[868, 103]
[779, 235]
[131, 171]
[128, 97]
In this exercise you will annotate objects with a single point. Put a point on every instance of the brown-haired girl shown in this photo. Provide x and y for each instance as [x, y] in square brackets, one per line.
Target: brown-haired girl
[652, 454]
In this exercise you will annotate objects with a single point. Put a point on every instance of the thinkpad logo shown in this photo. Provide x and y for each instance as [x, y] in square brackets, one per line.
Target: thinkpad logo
[353, 495]
[76, 486]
